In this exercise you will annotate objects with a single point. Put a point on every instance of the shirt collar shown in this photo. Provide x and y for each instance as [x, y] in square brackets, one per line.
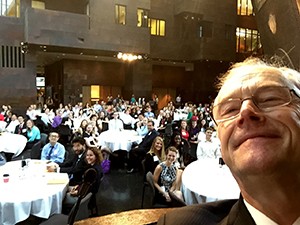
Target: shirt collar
[261, 219]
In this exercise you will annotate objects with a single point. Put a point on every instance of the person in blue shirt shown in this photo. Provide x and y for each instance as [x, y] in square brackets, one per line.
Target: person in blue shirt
[33, 134]
[53, 151]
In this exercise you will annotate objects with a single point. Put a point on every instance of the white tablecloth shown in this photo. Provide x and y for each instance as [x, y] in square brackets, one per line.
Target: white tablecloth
[206, 181]
[12, 143]
[119, 140]
[31, 191]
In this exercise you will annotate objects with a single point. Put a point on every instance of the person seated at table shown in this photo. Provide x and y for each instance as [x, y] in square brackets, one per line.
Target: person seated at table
[53, 151]
[167, 178]
[33, 134]
[184, 130]
[141, 126]
[11, 126]
[90, 136]
[21, 128]
[115, 124]
[184, 158]
[138, 153]
[93, 159]
[148, 113]
[155, 155]
[194, 130]
[76, 164]
[209, 148]
[127, 119]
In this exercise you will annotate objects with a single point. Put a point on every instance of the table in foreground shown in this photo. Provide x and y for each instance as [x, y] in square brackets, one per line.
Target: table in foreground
[207, 181]
[132, 217]
[30, 191]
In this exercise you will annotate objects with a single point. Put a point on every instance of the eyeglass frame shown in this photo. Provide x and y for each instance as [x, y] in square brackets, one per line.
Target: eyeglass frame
[254, 102]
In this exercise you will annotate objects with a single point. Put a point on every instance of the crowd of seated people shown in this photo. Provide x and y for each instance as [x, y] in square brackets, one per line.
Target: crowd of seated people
[70, 121]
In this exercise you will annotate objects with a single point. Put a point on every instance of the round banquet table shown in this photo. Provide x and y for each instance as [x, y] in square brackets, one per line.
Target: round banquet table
[12, 143]
[30, 191]
[206, 181]
[119, 140]
[132, 217]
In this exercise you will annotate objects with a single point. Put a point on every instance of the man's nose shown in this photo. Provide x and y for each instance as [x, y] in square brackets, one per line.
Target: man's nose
[249, 111]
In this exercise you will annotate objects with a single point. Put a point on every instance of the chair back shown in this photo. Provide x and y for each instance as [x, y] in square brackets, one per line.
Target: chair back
[89, 178]
[36, 150]
[82, 212]
[44, 139]
[149, 178]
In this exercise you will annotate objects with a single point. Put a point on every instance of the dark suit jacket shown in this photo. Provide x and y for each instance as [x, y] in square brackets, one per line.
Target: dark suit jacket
[75, 168]
[225, 212]
[147, 140]
[23, 130]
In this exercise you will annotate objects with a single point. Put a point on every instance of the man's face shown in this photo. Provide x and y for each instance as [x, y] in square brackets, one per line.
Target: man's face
[208, 134]
[53, 137]
[78, 148]
[150, 126]
[257, 142]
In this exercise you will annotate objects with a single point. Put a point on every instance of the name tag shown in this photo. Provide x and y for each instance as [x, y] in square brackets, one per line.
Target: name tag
[155, 158]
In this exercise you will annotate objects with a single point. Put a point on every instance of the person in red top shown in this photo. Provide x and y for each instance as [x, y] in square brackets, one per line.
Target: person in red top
[184, 130]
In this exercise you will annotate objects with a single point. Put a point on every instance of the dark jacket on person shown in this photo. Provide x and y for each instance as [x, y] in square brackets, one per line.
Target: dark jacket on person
[225, 212]
[147, 140]
[75, 167]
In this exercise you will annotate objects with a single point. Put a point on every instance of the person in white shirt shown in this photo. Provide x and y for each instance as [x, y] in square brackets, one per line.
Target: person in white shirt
[115, 124]
[12, 124]
[208, 148]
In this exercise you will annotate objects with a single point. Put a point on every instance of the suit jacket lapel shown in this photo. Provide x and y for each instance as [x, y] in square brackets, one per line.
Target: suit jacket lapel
[238, 215]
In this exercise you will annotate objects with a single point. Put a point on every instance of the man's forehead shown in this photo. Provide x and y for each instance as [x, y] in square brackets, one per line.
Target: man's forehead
[239, 82]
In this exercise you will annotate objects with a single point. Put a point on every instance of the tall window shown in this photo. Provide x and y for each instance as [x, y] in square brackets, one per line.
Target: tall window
[158, 27]
[247, 40]
[244, 7]
[142, 17]
[120, 13]
[204, 29]
[10, 8]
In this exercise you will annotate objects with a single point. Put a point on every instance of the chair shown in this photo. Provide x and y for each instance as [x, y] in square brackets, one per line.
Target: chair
[176, 202]
[82, 213]
[35, 152]
[80, 210]
[44, 139]
[145, 183]
[149, 178]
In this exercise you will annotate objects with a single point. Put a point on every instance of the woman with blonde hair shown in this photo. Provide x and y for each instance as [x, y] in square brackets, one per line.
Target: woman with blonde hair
[155, 155]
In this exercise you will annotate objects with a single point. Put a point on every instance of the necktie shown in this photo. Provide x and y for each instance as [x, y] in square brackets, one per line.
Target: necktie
[50, 152]
[20, 129]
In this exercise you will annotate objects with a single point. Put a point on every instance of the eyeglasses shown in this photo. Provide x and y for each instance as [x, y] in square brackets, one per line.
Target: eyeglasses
[265, 98]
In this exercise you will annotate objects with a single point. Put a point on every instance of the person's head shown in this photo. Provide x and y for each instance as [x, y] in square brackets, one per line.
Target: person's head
[208, 133]
[84, 123]
[145, 121]
[150, 125]
[78, 144]
[53, 137]
[171, 154]
[176, 139]
[257, 112]
[115, 115]
[89, 128]
[21, 119]
[93, 156]
[158, 148]
[29, 124]
[183, 124]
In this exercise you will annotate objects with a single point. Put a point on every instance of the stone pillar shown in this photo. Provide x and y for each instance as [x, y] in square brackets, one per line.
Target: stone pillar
[138, 80]
[279, 25]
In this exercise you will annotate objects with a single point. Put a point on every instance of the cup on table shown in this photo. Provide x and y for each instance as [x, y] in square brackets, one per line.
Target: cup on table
[5, 178]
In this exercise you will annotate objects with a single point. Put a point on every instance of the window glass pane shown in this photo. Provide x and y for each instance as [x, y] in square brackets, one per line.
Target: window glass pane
[162, 28]
[142, 18]
[120, 14]
[38, 4]
[153, 26]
